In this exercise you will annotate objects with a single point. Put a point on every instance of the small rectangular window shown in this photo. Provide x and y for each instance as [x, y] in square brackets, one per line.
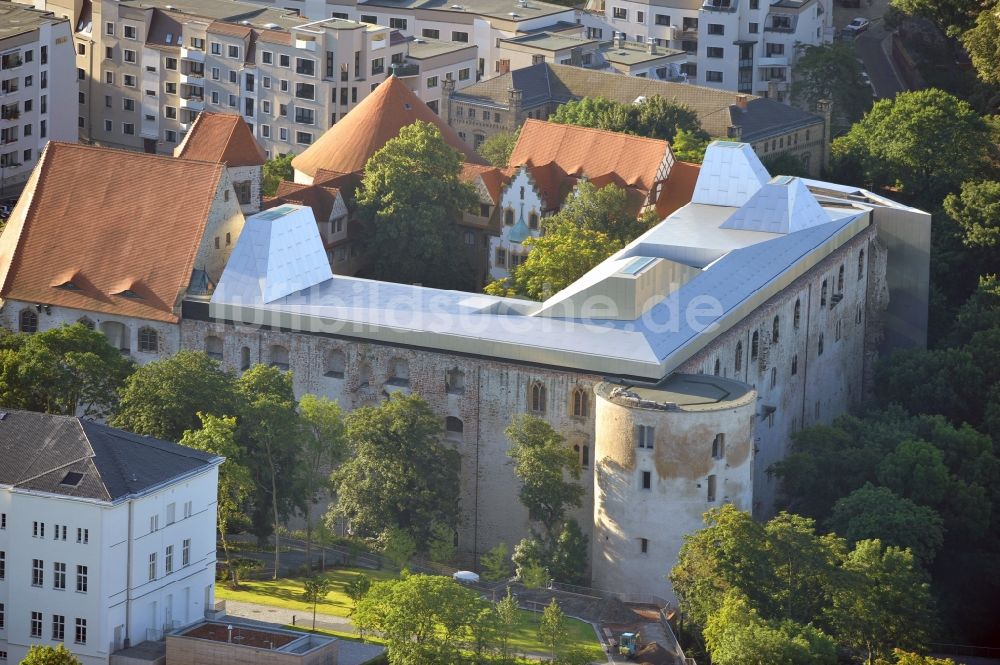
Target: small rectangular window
[644, 435]
[644, 546]
[647, 480]
[711, 489]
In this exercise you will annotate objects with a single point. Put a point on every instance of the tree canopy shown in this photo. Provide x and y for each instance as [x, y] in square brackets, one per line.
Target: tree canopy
[655, 117]
[399, 473]
[926, 143]
[61, 370]
[982, 42]
[832, 71]
[276, 170]
[976, 209]
[950, 16]
[47, 655]
[497, 148]
[410, 199]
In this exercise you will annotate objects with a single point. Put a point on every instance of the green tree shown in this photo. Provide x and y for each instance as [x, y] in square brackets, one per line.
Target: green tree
[552, 629]
[737, 635]
[606, 209]
[398, 547]
[356, 589]
[64, 370]
[529, 563]
[410, 199]
[323, 447]
[786, 164]
[495, 564]
[557, 259]
[802, 565]
[314, 590]
[549, 472]
[944, 381]
[596, 112]
[976, 209]
[399, 474]
[882, 601]
[217, 436]
[982, 42]
[878, 512]
[268, 430]
[46, 655]
[655, 117]
[441, 547]
[901, 657]
[425, 619]
[276, 170]
[689, 146]
[916, 470]
[163, 398]
[507, 619]
[497, 148]
[832, 71]
[926, 143]
[980, 312]
[568, 560]
[952, 17]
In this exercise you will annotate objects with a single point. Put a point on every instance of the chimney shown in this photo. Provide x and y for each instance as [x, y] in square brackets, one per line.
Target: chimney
[651, 45]
[741, 101]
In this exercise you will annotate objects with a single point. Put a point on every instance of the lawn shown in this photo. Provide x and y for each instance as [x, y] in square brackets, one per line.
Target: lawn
[287, 593]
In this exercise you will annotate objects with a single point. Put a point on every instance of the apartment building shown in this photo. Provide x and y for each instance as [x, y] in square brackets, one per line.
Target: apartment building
[146, 69]
[107, 538]
[484, 23]
[739, 45]
[618, 55]
[36, 75]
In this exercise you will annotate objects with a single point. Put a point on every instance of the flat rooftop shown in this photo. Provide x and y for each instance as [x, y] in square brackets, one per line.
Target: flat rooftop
[423, 48]
[634, 53]
[19, 19]
[548, 41]
[501, 9]
[687, 392]
[255, 636]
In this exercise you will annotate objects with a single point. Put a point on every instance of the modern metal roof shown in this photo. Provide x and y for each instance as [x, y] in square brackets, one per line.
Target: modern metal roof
[718, 275]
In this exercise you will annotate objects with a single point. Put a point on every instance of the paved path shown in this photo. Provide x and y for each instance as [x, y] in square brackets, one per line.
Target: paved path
[871, 50]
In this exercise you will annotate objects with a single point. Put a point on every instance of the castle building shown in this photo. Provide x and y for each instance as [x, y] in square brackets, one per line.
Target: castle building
[107, 538]
[676, 369]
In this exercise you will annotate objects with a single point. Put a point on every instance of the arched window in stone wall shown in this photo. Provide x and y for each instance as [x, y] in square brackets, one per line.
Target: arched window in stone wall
[27, 321]
[213, 347]
[118, 334]
[335, 364]
[754, 345]
[738, 364]
[581, 402]
[149, 340]
[364, 375]
[583, 453]
[861, 264]
[819, 346]
[718, 367]
[536, 397]
[797, 316]
[775, 329]
[822, 295]
[795, 365]
[533, 221]
[277, 356]
[508, 217]
[454, 426]
[245, 358]
[840, 278]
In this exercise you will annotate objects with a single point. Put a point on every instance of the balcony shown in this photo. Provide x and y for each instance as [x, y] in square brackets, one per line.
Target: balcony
[193, 54]
[773, 61]
[193, 103]
[193, 79]
[720, 5]
[149, 132]
[11, 62]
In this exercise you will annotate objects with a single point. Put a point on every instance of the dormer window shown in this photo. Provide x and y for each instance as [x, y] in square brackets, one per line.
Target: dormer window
[68, 285]
[72, 479]
[129, 293]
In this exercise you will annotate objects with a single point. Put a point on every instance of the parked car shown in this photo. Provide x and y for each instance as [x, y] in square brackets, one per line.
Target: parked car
[857, 26]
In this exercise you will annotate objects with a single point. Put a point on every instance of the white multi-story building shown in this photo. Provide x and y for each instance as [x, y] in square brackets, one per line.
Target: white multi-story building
[36, 76]
[742, 45]
[107, 538]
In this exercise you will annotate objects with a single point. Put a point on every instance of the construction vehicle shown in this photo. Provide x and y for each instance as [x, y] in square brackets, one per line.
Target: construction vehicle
[628, 645]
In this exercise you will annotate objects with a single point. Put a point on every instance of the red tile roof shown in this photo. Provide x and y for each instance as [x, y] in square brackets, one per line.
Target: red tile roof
[493, 178]
[628, 161]
[221, 137]
[348, 145]
[678, 189]
[107, 221]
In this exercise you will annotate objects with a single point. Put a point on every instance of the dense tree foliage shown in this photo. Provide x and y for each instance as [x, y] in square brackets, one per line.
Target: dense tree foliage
[832, 71]
[46, 655]
[399, 474]
[410, 200]
[780, 592]
[982, 42]
[323, 447]
[164, 397]
[655, 117]
[277, 170]
[950, 16]
[65, 370]
[976, 209]
[497, 148]
[925, 143]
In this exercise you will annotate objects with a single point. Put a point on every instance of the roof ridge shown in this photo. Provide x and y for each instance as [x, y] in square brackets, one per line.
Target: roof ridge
[149, 155]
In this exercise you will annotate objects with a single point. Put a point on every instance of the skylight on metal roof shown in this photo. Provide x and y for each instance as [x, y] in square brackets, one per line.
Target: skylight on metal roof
[274, 213]
[637, 265]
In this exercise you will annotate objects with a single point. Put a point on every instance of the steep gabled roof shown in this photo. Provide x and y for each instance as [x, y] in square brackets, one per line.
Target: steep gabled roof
[80, 458]
[347, 145]
[221, 137]
[626, 160]
[102, 230]
[492, 178]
